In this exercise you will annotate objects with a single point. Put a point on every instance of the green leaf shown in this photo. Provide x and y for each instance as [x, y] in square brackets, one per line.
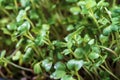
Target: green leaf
[2, 53]
[115, 20]
[74, 34]
[82, 5]
[69, 44]
[60, 66]
[114, 27]
[14, 36]
[102, 3]
[21, 15]
[105, 75]
[37, 68]
[91, 42]
[86, 38]
[67, 77]
[10, 7]
[79, 40]
[28, 55]
[70, 27]
[75, 10]
[6, 31]
[24, 27]
[117, 50]
[93, 55]
[12, 26]
[96, 49]
[33, 15]
[24, 2]
[60, 56]
[45, 27]
[58, 74]
[58, 43]
[79, 52]
[103, 38]
[66, 51]
[75, 64]
[47, 64]
[39, 40]
[16, 56]
[90, 3]
[106, 31]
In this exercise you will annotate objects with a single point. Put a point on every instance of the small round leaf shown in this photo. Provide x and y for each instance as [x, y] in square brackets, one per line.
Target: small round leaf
[74, 64]
[37, 68]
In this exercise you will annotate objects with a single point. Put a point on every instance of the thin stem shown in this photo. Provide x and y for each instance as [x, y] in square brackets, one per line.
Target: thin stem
[6, 12]
[16, 5]
[110, 72]
[95, 20]
[109, 13]
[23, 68]
[88, 73]
[29, 37]
[114, 3]
[96, 73]
[29, 21]
[8, 71]
[105, 63]
[113, 41]
[13, 53]
[78, 76]
[117, 39]
[55, 32]
[107, 66]
[72, 53]
[33, 5]
[108, 49]
[92, 15]
[38, 51]
[2, 75]
[86, 56]
[49, 43]
[17, 66]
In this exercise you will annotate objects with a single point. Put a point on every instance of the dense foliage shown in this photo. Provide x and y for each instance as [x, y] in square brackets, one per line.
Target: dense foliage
[60, 39]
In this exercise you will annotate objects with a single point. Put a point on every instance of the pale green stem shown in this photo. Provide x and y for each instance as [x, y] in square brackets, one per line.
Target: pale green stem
[110, 72]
